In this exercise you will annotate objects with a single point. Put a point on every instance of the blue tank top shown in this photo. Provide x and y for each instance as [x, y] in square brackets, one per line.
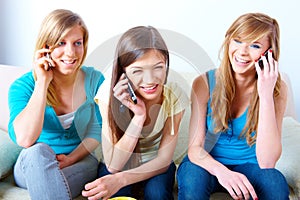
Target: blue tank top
[227, 147]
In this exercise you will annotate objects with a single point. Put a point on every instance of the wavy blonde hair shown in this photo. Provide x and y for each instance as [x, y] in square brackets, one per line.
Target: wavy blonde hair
[251, 27]
[53, 28]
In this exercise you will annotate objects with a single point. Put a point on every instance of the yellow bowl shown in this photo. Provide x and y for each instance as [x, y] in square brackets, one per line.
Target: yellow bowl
[122, 198]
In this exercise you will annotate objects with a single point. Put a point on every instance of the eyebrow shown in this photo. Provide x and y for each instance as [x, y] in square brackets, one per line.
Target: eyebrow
[158, 63]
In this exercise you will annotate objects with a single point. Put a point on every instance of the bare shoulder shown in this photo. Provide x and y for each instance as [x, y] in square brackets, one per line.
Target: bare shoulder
[200, 88]
[201, 83]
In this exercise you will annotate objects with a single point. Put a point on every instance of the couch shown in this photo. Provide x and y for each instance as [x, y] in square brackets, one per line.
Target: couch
[288, 163]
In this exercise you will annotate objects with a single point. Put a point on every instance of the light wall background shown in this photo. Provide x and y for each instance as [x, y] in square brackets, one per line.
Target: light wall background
[203, 21]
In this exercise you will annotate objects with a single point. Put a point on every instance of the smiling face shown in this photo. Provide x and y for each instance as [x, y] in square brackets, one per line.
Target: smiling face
[148, 75]
[69, 52]
[243, 55]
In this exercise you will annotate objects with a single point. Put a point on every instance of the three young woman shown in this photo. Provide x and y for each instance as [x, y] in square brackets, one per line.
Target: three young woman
[235, 127]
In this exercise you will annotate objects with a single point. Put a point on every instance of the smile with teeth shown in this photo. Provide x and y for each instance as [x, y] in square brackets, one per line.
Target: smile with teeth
[240, 60]
[149, 89]
[68, 61]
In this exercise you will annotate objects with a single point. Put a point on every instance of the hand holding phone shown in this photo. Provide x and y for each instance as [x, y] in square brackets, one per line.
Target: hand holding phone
[131, 91]
[48, 56]
[260, 61]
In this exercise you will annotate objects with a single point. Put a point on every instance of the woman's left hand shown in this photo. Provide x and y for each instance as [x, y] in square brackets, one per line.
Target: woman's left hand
[267, 76]
[102, 188]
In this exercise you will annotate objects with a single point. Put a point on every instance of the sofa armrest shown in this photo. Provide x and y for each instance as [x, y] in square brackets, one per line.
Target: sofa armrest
[289, 161]
[9, 152]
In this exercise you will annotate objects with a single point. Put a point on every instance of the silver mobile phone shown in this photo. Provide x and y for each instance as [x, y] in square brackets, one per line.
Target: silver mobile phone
[131, 92]
[48, 56]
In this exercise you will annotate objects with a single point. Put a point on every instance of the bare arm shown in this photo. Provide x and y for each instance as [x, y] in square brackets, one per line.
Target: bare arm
[271, 111]
[108, 185]
[117, 155]
[87, 146]
[235, 183]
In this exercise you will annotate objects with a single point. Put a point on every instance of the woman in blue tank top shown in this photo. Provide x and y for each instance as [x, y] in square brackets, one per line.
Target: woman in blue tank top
[237, 113]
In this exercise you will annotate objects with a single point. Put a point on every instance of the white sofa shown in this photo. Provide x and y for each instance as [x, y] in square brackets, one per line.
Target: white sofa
[288, 162]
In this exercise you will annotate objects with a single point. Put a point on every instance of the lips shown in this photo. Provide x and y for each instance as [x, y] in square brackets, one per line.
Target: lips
[242, 61]
[150, 89]
[68, 62]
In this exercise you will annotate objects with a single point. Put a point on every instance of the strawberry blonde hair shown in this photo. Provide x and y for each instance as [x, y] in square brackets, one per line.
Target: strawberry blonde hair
[251, 27]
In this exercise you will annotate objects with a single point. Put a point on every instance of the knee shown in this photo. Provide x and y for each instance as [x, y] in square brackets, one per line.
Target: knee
[193, 182]
[164, 192]
[189, 173]
[274, 182]
[37, 152]
[274, 177]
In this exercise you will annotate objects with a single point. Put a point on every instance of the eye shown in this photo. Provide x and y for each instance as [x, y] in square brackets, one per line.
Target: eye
[237, 41]
[61, 43]
[159, 67]
[255, 46]
[78, 43]
[138, 71]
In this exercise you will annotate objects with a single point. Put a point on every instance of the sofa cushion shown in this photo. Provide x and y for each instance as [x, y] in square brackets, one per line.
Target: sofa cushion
[9, 152]
[289, 161]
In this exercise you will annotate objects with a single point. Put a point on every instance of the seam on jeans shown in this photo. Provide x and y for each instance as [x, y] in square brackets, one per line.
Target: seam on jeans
[66, 183]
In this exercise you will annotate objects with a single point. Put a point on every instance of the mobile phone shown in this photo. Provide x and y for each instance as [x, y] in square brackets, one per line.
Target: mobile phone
[48, 56]
[131, 92]
[260, 61]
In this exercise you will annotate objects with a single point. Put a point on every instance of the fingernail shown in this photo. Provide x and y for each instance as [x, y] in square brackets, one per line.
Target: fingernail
[256, 60]
[256, 198]
[270, 50]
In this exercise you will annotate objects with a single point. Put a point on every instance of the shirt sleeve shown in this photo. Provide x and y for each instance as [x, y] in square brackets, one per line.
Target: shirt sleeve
[177, 98]
[19, 94]
[94, 126]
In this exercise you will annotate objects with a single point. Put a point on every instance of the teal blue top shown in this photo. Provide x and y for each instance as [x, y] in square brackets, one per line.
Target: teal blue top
[87, 122]
[227, 147]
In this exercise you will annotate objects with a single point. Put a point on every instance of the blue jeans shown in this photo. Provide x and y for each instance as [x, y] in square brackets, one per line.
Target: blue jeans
[194, 182]
[38, 171]
[158, 187]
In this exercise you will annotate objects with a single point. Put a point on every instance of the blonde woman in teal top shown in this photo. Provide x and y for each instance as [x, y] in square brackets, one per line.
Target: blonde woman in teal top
[236, 118]
[53, 114]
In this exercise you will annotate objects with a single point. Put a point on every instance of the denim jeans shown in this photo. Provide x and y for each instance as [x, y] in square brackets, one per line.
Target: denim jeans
[38, 171]
[158, 187]
[194, 182]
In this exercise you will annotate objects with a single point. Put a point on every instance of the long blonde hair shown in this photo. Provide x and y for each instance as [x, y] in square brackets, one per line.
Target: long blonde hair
[251, 27]
[53, 28]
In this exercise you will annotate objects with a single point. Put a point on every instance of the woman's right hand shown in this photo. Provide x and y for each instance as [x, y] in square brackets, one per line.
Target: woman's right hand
[41, 66]
[121, 93]
[237, 185]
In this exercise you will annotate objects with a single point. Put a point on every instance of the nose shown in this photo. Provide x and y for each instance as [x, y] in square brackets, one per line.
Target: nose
[243, 49]
[69, 50]
[148, 77]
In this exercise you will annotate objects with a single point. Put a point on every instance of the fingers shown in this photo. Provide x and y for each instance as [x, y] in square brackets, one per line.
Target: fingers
[43, 59]
[121, 90]
[95, 190]
[240, 188]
